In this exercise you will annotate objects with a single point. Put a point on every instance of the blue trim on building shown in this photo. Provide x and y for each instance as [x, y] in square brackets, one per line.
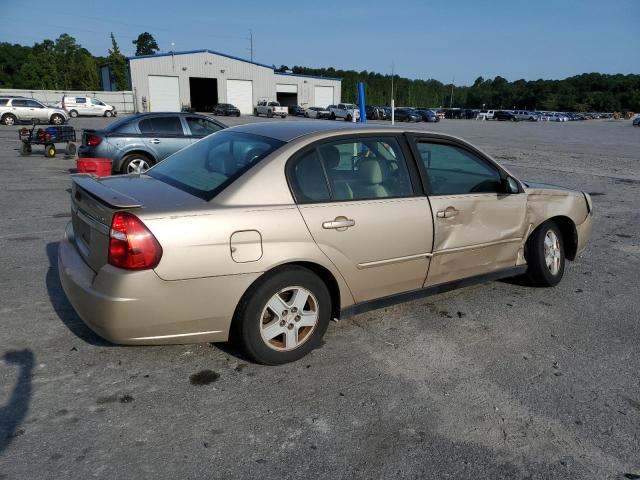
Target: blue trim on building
[206, 50]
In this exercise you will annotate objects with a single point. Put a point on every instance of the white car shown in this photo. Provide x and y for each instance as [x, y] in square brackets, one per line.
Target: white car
[21, 109]
[317, 112]
[486, 114]
[87, 106]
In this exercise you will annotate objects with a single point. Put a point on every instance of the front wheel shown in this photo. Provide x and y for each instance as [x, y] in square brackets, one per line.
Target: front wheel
[348, 118]
[57, 119]
[50, 151]
[545, 256]
[9, 119]
[332, 116]
[108, 113]
[255, 112]
[283, 317]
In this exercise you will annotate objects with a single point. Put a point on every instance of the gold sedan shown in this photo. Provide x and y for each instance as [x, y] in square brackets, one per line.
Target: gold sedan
[264, 232]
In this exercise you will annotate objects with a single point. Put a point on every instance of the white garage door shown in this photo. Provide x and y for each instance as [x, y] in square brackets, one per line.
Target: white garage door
[240, 94]
[164, 94]
[286, 88]
[323, 96]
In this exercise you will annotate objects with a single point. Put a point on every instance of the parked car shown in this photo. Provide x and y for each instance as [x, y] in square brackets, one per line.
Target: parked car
[428, 115]
[226, 110]
[407, 115]
[270, 109]
[138, 142]
[87, 106]
[20, 109]
[296, 110]
[346, 111]
[197, 244]
[525, 115]
[317, 112]
[374, 113]
[636, 121]
[503, 115]
[486, 114]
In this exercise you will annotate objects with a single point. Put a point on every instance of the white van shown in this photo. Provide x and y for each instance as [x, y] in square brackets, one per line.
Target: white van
[87, 106]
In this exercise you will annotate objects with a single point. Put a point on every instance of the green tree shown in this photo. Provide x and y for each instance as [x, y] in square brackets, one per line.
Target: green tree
[118, 65]
[145, 44]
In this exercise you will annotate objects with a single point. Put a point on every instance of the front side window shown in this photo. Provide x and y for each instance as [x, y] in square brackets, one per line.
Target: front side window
[207, 167]
[354, 169]
[34, 104]
[452, 170]
[95, 101]
[201, 127]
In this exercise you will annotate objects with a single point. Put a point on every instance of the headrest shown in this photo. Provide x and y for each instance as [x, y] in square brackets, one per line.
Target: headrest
[222, 162]
[330, 155]
[370, 172]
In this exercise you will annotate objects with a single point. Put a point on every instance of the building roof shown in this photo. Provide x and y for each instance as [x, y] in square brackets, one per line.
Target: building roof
[206, 50]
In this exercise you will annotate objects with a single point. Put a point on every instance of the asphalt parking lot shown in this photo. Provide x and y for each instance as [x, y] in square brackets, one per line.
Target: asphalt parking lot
[492, 381]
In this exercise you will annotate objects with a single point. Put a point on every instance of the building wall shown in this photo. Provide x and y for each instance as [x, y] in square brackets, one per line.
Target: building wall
[210, 65]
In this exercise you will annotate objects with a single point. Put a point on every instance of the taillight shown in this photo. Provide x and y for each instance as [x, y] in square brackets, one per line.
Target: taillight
[131, 244]
[93, 140]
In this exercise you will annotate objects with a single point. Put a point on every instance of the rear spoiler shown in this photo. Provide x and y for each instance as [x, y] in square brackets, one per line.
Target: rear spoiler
[104, 194]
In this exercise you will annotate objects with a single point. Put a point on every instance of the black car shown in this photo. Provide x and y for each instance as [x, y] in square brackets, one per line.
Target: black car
[428, 115]
[407, 115]
[374, 113]
[296, 110]
[505, 116]
[226, 110]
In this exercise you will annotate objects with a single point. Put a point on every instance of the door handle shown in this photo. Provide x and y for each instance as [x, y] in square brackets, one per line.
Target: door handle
[154, 141]
[339, 223]
[448, 212]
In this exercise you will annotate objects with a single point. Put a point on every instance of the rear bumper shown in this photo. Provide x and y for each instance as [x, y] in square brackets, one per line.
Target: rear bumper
[139, 308]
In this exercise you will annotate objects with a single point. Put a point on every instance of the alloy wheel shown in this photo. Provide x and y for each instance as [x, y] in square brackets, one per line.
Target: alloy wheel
[137, 165]
[552, 252]
[289, 318]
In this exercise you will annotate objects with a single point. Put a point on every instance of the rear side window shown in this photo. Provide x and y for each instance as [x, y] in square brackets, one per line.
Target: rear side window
[355, 169]
[207, 167]
[161, 126]
[19, 103]
[452, 170]
[81, 100]
[3, 101]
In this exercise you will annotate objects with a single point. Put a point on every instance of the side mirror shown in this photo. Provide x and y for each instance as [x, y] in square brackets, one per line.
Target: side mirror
[511, 185]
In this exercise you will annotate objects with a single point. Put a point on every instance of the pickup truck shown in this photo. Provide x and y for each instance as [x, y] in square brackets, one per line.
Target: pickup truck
[348, 111]
[270, 109]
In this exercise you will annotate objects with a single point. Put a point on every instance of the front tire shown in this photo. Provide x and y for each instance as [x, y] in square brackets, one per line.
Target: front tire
[545, 256]
[57, 119]
[108, 113]
[283, 316]
[9, 120]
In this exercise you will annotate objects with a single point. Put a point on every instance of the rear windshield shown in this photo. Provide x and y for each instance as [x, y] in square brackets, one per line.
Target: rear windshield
[210, 165]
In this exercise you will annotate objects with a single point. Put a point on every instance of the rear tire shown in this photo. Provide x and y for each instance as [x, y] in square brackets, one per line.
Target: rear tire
[71, 149]
[136, 163]
[332, 116]
[25, 149]
[255, 112]
[348, 118]
[273, 337]
[9, 119]
[50, 151]
[269, 114]
[56, 119]
[544, 252]
[73, 113]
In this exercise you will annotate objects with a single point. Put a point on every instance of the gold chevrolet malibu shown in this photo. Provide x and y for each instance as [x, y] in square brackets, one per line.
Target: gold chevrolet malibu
[265, 232]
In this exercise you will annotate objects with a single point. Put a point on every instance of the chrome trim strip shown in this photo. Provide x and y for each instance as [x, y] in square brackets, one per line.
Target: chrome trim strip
[389, 261]
[92, 222]
[477, 246]
[158, 337]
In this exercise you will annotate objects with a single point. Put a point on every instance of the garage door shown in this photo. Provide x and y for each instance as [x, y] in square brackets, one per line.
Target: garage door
[323, 96]
[286, 88]
[164, 94]
[240, 94]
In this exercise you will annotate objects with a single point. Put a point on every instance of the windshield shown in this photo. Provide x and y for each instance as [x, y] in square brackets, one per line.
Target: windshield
[210, 165]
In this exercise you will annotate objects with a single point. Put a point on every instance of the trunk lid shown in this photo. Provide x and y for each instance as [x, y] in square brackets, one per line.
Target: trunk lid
[94, 201]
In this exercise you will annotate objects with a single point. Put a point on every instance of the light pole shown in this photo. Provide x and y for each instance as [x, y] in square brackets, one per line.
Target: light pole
[393, 101]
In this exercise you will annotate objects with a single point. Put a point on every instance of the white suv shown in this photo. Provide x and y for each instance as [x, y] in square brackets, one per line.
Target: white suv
[87, 106]
[20, 109]
[348, 111]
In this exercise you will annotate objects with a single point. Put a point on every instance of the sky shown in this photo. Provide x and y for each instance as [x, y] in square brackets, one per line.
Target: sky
[441, 39]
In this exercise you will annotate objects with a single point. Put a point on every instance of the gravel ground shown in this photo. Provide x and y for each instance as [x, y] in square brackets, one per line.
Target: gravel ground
[493, 381]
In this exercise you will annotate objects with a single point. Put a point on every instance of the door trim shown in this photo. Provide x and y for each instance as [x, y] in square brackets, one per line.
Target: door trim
[388, 261]
[476, 246]
[428, 291]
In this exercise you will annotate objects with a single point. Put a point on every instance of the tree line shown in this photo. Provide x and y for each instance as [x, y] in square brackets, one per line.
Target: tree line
[63, 64]
[581, 93]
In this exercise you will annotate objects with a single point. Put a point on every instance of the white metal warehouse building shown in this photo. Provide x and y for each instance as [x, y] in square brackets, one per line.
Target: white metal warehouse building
[202, 78]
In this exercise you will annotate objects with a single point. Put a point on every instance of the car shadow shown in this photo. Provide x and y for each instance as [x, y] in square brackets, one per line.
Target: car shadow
[61, 305]
[13, 413]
